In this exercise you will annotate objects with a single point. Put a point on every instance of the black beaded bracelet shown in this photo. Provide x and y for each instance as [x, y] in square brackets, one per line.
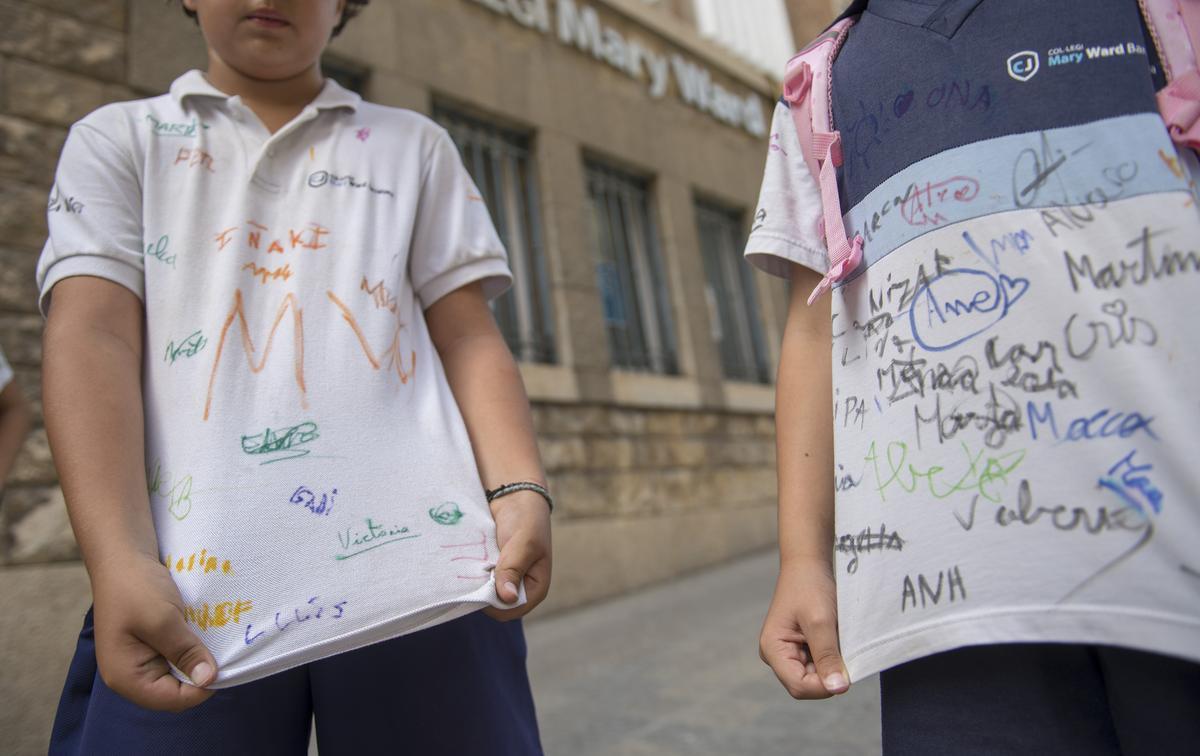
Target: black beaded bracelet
[508, 488]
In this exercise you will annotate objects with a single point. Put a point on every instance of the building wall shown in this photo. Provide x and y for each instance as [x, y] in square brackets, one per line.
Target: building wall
[810, 17]
[59, 60]
[757, 30]
[655, 475]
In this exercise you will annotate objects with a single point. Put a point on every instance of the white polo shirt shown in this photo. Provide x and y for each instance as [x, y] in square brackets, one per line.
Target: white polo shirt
[311, 479]
[1014, 363]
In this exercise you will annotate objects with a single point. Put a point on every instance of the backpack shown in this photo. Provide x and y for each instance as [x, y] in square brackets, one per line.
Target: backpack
[1174, 27]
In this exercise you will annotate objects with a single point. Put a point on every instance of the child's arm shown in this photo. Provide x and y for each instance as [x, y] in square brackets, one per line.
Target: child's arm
[800, 637]
[93, 405]
[14, 426]
[491, 396]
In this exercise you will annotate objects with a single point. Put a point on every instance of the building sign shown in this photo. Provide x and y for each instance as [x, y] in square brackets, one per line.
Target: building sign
[579, 26]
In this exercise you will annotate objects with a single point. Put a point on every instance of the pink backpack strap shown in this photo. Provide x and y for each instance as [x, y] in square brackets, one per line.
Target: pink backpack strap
[1175, 26]
[807, 89]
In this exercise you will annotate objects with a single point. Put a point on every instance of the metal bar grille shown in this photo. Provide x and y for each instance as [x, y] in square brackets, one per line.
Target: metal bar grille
[499, 162]
[733, 303]
[629, 272]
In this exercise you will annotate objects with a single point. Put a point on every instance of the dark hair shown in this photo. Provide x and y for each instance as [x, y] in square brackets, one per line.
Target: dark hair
[353, 8]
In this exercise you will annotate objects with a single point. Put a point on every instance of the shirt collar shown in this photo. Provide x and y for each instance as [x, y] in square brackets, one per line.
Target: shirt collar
[194, 83]
[942, 16]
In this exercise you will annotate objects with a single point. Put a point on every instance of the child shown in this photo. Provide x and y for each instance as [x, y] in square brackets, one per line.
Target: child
[1004, 389]
[267, 305]
[14, 420]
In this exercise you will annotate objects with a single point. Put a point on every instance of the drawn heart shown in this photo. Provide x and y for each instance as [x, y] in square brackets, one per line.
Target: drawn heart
[1013, 288]
[903, 103]
[1116, 308]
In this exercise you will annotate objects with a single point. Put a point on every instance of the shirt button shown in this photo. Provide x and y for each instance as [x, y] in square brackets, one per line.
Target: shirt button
[271, 152]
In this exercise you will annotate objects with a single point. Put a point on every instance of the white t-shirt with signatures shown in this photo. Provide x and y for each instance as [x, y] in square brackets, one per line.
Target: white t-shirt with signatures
[310, 475]
[1015, 407]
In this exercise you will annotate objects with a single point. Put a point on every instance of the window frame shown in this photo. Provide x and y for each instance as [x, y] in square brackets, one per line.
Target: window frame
[731, 292]
[644, 338]
[501, 162]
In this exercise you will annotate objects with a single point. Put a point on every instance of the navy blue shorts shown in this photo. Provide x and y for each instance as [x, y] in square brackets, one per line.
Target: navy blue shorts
[1068, 700]
[459, 688]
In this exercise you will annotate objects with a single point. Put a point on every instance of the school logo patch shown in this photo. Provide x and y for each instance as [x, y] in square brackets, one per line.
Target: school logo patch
[1023, 65]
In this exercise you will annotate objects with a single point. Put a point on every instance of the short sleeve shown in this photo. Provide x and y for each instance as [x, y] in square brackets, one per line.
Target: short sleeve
[789, 206]
[6, 373]
[94, 216]
[454, 241]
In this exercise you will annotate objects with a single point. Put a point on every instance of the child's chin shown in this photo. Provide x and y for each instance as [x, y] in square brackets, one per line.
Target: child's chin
[264, 68]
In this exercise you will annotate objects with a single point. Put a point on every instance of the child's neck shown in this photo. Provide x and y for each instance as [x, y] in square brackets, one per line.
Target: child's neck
[274, 101]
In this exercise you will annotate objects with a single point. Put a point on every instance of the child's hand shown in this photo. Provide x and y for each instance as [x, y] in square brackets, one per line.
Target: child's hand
[523, 532]
[800, 637]
[139, 628]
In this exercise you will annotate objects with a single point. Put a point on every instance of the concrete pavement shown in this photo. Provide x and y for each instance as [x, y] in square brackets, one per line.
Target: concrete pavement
[43, 608]
[675, 670]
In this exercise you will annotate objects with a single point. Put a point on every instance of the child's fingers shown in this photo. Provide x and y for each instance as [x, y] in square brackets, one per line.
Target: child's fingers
[820, 630]
[537, 586]
[517, 556]
[788, 661]
[537, 582]
[139, 673]
[174, 640]
[160, 691]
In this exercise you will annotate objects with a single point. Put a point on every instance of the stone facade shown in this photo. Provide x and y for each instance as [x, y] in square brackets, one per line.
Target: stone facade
[655, 475]
[810, 17]
[647, 494]
[59, 60]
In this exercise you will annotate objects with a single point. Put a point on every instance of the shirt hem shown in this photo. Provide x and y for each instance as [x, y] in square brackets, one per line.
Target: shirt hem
[492, 271]
[422, 618]
[772, 254]
[83, 264]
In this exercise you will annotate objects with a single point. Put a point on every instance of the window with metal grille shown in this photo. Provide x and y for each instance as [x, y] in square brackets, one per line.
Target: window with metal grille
[499, 162]
[637, 307]
[732, 302]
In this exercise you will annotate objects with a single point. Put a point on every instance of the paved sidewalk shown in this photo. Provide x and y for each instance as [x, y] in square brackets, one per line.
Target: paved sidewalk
[43, 611]
[674, 670]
